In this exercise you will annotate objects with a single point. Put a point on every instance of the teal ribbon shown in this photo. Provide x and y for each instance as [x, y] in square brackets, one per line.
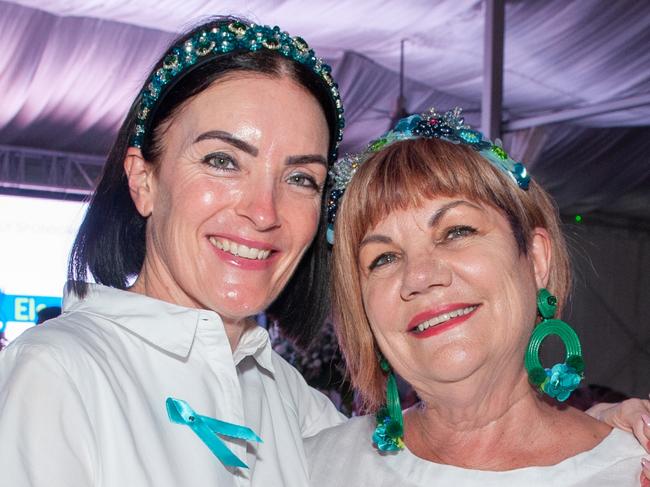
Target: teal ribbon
[208, 428]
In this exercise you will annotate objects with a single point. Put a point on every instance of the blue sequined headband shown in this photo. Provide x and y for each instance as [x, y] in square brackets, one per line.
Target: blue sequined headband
[449, 126]
[214, 41]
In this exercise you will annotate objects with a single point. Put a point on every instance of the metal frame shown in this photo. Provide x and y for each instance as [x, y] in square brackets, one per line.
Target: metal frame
[26, 170]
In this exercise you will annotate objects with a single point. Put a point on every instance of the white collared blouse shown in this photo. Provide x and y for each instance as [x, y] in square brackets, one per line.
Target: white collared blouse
[82, 399]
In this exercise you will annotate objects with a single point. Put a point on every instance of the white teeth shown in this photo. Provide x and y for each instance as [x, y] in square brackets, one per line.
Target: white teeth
[240, 249]
[445, 317]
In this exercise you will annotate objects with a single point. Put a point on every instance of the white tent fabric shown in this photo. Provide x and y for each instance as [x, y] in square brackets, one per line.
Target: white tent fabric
[70, 69]
[559, 53]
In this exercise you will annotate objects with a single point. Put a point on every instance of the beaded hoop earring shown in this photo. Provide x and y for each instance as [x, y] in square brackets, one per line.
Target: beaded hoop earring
[562, 379]
[389, 433]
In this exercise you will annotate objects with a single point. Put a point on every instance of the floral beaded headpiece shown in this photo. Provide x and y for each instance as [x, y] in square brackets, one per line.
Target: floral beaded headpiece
[449, 126]
[217, 40]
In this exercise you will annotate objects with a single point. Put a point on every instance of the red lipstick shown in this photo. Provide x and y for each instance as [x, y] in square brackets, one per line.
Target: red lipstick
[444, 326]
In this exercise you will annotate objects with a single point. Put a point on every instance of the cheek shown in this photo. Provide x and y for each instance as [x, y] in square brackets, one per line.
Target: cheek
[208, 198]
[302, 219]
[382, 305]
[506, 281]
[491, 267]
[204, 201]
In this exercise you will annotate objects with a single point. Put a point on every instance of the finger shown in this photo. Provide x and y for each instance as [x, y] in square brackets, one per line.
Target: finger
[645, 441]
[645, 472]
[641, 430]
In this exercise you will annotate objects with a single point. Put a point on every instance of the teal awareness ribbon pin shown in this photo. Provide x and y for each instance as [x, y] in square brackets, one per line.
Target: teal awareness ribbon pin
[208, 428]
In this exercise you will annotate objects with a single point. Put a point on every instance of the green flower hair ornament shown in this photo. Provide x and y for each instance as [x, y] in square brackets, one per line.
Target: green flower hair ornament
[449, 126]
[211, 42]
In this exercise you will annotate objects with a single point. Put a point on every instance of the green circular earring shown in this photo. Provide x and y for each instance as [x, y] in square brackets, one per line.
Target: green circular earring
[562, 379]
[389, 433]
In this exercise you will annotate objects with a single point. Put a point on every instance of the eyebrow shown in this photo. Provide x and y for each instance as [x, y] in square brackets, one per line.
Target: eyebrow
[375, 239]
[440, 212]
[307, 159]
[252, 150]
[230, 139]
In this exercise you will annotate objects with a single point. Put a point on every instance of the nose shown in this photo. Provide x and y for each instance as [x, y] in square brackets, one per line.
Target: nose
[423, 273]
[259, 205]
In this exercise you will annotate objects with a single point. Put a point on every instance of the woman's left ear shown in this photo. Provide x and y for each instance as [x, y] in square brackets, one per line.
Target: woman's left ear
[540, 253]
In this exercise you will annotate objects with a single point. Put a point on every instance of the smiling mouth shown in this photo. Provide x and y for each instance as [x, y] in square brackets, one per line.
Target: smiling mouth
[442, 318]
[240, 250]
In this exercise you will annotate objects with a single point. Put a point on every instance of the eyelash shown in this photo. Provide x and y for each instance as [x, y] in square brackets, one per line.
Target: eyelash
[459, 231]
[376, 262]
[296, 178]
[311, 182]
[220, 156]
[452, 233]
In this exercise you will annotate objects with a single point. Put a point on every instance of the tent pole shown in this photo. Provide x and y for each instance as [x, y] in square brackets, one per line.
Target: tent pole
[491, 102]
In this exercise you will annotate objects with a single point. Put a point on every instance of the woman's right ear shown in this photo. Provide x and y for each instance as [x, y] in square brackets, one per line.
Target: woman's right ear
[139, 174]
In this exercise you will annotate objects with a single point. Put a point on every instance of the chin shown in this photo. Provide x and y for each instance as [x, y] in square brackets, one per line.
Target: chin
[456, 362]
[236, 305]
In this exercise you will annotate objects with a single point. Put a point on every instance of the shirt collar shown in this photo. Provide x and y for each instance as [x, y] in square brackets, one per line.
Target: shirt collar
[255, 342]
[165, 325]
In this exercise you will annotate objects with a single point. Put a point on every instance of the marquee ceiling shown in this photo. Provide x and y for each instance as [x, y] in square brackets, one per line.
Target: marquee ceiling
[69, 70]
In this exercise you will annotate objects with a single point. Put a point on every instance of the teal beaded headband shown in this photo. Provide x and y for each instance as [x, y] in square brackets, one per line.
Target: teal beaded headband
[215, 41]
[449, 126]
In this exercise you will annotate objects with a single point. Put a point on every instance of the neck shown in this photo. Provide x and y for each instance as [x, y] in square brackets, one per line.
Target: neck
[149, 284]
[475, 402]
[478, 425]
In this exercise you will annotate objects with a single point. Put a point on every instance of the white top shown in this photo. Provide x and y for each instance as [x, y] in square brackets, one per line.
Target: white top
[344, 456]
[82, 399]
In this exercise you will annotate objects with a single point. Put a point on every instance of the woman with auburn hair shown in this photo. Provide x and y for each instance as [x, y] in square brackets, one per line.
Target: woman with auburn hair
[450, 268]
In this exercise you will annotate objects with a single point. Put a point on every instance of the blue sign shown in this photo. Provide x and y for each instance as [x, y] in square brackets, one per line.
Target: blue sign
[23, 308]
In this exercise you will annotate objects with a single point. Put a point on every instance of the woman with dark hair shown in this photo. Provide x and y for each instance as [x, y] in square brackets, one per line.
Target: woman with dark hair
[209, 211]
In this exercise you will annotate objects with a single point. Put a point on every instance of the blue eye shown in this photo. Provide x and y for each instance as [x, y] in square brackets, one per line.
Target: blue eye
[382, 260]
[221, 161]
[459, 231]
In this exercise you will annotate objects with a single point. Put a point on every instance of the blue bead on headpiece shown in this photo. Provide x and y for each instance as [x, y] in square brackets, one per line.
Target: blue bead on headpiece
[221, 39]
[449, 126]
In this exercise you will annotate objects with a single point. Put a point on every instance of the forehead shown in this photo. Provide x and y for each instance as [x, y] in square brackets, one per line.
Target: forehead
[431, 211]
[257, 108]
